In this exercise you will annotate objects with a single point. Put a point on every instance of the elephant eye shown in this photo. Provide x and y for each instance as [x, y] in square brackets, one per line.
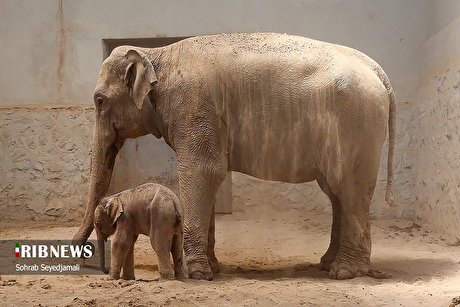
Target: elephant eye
[99, 101]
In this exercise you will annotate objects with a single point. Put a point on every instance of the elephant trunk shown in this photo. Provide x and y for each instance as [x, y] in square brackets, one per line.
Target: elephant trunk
[101, 246]
[104, 151]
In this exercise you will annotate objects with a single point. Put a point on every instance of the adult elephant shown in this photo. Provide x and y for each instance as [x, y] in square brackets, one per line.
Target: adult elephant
[274, 106]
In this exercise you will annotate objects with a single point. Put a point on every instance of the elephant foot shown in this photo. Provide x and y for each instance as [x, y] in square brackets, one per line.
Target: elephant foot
[128, 277]
[327, 259]
[180, 276]
[379, 274]
[166, 276]
[113, 277]
[200, 275]
[200, 271]
[345, 269]
[214, 264]
[345, 273]
[325, 265]
[180, 272]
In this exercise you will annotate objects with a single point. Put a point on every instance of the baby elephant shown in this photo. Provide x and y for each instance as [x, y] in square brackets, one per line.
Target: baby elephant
[150, 209]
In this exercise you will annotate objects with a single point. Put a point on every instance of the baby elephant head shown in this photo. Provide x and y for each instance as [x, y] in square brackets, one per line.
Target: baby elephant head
[105, 221]
[106, 215]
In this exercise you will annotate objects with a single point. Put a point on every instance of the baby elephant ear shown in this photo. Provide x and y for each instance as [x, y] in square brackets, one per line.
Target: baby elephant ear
[115, 210]
[139, 76]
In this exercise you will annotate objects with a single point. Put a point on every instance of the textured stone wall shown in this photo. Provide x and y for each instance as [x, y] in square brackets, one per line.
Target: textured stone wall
[436, 132]
[437, 184]
[45, 158]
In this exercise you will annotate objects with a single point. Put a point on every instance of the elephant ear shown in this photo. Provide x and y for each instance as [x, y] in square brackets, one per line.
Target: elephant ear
[139, 76]
[114, 210]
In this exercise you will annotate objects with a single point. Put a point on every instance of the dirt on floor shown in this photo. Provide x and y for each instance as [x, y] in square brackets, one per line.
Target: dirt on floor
[266, 259]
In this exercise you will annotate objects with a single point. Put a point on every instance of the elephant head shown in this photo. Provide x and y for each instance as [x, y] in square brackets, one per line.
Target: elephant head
[123, 110]
[105, 218]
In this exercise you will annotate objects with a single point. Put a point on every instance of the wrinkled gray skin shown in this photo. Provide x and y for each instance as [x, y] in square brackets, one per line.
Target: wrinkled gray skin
[276, 107]
[149, 209]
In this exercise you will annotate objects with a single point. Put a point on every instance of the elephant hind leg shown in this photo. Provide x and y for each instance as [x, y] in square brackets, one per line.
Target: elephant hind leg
[213, 262]
[353, 255]
[333, 248]
[355, 193]
[162, 243]
[177, 251]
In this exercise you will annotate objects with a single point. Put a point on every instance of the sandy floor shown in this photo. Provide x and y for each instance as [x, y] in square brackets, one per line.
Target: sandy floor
[266, 260]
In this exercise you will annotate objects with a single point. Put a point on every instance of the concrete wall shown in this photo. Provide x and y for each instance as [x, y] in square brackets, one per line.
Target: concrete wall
[436, 144]
[56, 49]
[52, 51]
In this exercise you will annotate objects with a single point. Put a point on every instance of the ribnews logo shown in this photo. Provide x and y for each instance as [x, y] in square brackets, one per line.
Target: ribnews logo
[50, 257]
[54, 251]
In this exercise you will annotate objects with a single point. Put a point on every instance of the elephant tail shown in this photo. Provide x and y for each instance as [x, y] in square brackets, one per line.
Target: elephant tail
[178, 209]
[389, 196]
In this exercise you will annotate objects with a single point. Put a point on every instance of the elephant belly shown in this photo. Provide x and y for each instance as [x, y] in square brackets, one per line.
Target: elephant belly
[277, 173]
[279, 134]
[278, 155]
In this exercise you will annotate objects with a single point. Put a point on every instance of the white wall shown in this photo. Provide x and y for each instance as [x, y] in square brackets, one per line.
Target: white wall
[29, 53]
[54, 47]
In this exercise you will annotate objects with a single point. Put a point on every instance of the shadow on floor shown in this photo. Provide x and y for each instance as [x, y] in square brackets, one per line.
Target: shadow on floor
[406, 270]
[413, 270]
[297, 270]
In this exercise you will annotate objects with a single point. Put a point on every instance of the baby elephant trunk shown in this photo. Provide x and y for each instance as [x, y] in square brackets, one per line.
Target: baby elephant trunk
[101, 245]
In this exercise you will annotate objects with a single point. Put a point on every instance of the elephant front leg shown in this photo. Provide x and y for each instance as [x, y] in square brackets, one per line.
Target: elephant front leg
[128, 266]
[119, 252]
[198, 194]
[333, 248]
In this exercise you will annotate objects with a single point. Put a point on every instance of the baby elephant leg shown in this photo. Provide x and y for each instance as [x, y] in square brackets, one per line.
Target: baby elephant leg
[177, 252]
[128, 266]
[120, 250]
[161, 243]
